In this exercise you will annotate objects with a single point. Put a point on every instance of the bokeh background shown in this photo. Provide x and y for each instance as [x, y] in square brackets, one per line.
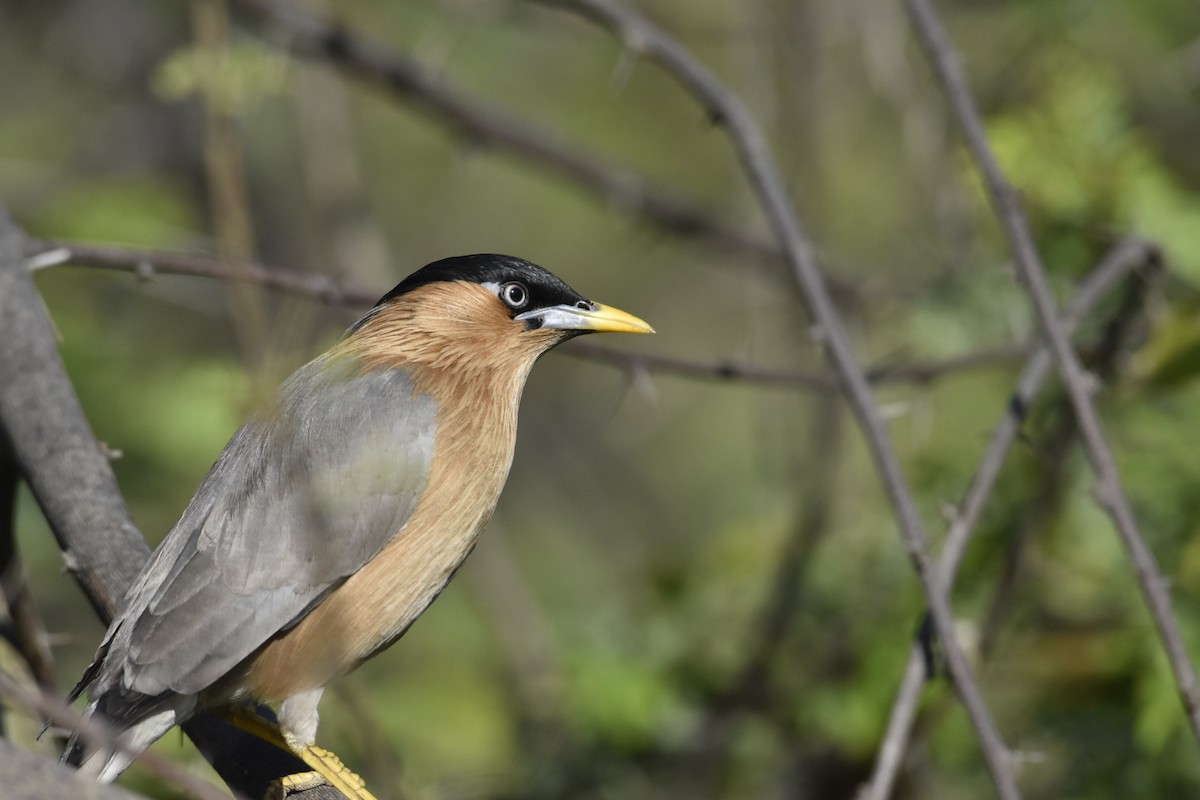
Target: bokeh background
[607, 638]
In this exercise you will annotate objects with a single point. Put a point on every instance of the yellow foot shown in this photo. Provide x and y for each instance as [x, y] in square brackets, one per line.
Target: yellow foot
[333, 770]
[326, 766]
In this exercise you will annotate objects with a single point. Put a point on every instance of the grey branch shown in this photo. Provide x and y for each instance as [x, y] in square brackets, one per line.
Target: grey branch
[148, 263]
[484, 124]
[74, 485]
[752, 150]
[1109, 491]
[1123, 258]
[919, 372]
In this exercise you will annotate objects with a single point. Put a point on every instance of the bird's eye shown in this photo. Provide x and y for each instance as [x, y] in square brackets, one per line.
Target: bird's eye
[515, 295]
[584, 304]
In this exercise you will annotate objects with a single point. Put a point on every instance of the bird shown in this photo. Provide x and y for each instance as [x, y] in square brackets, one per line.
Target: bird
[335, 515]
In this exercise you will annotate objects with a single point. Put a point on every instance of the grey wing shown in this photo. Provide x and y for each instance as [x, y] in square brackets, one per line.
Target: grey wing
[298, 501]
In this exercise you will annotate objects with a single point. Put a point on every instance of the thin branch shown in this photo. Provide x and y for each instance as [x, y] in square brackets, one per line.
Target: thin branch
[27, 776]
[767, 182]
[920, 372]
[226, 192]
[1080, 386]
[484, 124]
[41, 704]
[1123, 258]
[148, 263]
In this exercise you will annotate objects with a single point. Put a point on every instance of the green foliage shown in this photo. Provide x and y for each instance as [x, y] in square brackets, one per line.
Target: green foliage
[232, 79]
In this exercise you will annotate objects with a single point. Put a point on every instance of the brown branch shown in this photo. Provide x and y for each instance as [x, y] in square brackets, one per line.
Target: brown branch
[763, 174]
[1109, 491]
[1116, 265]
[226, 192]
[74, 485]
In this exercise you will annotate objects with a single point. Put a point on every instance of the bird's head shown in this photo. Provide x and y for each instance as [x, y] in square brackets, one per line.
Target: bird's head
[480, 310]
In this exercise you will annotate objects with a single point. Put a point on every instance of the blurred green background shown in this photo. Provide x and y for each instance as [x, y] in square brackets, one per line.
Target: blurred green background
[589, 647]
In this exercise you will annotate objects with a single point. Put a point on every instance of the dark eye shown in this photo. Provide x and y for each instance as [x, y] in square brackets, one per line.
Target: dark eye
[515, 295]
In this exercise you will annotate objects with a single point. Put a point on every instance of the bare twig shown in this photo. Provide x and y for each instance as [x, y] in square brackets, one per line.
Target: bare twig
[484, 124]
[914, 372]
[46, 706]
[1109, 491]
[148, 263]
[755, 155]
[25, 775]
[1120, 260]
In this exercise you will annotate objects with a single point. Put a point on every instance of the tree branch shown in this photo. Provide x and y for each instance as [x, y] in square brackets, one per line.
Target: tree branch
[1123, 258]
[148, 263]
[1109, 491]
[918, 372]
[764, 176]
[483, 124]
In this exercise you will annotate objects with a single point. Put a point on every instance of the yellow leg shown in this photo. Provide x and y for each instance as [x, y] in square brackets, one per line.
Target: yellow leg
[324, 763]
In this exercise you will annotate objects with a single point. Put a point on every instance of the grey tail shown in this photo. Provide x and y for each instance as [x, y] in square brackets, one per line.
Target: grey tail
[74, 750]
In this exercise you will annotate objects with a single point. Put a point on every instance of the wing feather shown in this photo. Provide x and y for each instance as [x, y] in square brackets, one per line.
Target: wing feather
[299, 500]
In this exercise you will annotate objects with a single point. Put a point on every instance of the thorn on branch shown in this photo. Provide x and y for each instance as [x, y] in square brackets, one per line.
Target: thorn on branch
[335, 42]
[1018, 408]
